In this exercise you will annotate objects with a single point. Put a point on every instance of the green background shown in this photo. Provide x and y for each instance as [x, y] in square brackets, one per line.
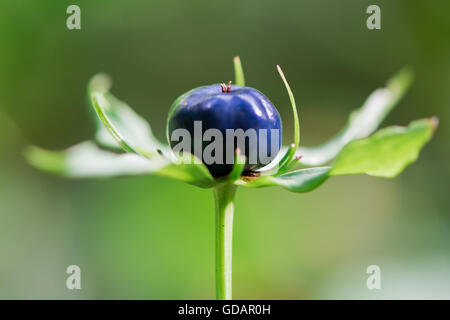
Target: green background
[148, 237]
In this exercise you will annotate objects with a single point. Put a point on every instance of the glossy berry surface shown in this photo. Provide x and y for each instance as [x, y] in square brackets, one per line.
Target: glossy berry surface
[227, 107]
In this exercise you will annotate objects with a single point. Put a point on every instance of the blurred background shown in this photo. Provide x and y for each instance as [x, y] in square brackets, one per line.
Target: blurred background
[148, 237]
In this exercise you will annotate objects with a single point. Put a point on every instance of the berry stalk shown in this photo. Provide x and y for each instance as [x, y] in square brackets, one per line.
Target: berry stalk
[224, 196]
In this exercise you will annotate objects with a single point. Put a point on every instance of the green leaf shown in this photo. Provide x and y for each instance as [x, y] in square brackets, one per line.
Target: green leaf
[302, 180]
[118, 124]
[192, 171]
[362, 122]
[238, 168]
[387, 152]
[290, 153]
[239, 78]
[86, 160]
[285, 159]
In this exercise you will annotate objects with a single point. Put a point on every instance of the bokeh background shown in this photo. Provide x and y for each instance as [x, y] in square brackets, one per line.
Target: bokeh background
[148, 237]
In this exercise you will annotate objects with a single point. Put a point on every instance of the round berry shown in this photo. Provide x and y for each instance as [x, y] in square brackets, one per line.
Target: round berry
[223, 107]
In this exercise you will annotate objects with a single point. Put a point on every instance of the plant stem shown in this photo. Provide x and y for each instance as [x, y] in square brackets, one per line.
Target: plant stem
[223, 196]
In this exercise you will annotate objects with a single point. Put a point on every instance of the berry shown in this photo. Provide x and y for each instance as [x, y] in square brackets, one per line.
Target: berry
[225, 107]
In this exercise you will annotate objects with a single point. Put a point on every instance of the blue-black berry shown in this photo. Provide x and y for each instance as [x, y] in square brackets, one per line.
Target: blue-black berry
[223, 107]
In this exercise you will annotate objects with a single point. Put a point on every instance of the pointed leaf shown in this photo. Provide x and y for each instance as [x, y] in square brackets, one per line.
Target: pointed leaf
[302, 180]
[285, 158]
[290, 153]
[119, 125]
[239, 78]
[362, 122]
[387, 152]
[87, 160]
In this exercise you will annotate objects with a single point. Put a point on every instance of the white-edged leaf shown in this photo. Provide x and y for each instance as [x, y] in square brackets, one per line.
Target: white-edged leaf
[86, 160]
[362, 122]
[118, 125]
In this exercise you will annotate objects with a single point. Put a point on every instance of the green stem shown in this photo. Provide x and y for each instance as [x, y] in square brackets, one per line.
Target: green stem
[223, 196]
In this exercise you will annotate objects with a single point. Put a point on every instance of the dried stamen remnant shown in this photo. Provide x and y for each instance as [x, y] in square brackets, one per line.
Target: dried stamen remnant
[226, 88]
[250, 175]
